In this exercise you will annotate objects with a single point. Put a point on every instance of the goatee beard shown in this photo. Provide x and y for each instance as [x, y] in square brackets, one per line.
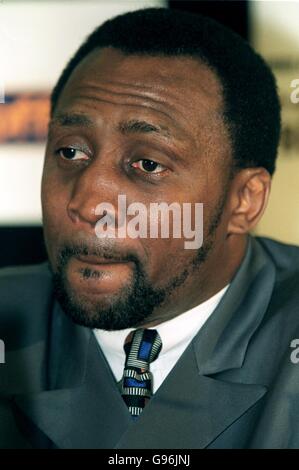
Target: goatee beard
[131, 307]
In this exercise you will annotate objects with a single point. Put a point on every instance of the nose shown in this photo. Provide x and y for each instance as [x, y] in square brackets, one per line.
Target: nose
[97, 183]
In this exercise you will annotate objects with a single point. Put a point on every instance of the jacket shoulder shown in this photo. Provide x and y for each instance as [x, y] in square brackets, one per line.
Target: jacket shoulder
[25, 301]
[284, 256]
[23, 271]
[284, 302]
[23, 283]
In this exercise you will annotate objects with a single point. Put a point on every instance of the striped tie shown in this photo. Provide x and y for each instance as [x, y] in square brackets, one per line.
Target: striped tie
[141, 347]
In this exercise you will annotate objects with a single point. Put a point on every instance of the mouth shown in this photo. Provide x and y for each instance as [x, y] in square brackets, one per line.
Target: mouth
[94, 275]
[98, 261]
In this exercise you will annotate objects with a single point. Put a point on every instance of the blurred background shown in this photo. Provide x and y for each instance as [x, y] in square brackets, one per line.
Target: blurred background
[36, 40]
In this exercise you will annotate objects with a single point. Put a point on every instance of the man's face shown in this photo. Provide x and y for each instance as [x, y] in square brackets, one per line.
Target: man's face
[149, 128]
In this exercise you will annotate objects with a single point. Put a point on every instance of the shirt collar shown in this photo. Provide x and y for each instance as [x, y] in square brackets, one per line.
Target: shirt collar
[173, 332]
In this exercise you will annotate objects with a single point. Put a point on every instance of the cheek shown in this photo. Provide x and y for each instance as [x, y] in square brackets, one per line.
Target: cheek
[54, 203]
[167, 258]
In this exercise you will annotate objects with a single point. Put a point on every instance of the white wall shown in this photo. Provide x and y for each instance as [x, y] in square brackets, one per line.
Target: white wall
[36, 41]
[37, 38]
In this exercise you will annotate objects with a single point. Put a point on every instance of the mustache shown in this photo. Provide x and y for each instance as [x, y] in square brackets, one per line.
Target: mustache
[108, 251]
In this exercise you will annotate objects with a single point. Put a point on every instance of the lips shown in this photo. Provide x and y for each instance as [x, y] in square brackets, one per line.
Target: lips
[90, 275]
[95, 260]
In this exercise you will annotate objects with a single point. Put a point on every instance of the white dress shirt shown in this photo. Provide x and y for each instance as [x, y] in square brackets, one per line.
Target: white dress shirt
[176, 334]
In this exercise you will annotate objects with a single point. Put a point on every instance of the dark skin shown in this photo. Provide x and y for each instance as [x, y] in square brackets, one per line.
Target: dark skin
[193, 152]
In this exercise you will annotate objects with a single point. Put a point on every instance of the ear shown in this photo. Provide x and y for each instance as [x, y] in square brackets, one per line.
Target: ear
[248, 199]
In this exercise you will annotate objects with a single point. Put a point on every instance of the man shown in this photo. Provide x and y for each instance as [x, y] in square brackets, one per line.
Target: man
[135, 341]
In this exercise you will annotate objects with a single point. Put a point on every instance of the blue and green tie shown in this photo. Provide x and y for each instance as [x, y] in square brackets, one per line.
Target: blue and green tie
[142, 346]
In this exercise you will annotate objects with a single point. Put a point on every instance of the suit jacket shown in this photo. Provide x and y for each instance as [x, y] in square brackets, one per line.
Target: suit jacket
[235, 386]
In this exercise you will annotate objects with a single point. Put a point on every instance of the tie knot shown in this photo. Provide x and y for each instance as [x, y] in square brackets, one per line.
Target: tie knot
[142, 347]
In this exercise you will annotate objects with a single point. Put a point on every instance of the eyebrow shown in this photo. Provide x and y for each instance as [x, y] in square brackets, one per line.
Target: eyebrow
[69, 120]
[143, 127]
[133, 126]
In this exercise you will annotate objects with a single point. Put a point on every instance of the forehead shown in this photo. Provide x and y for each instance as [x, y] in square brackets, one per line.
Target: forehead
[174, 72]
[185, 90]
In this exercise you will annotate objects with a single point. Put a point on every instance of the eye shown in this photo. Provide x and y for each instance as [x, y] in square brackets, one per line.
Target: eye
[71, 153]
[149, 166]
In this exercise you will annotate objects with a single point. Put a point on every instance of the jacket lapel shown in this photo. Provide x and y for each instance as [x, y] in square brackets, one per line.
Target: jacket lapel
[82, 407]
[195, 404]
